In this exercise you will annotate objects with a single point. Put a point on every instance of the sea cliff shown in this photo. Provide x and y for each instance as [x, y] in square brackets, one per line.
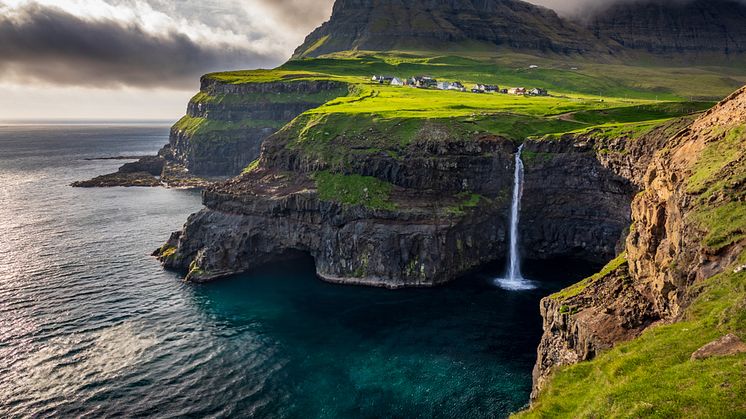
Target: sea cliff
[685, 244]
[393, 221]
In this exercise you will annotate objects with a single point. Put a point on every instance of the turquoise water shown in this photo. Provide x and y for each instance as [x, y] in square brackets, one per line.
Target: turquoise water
[91, 326]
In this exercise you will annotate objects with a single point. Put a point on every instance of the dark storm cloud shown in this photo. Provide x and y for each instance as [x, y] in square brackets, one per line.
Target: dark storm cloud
[305, 13]
[51, 45]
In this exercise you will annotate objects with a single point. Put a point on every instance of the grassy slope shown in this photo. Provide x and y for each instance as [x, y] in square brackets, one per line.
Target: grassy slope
[652, 376]
[594, 94]
[372, 118]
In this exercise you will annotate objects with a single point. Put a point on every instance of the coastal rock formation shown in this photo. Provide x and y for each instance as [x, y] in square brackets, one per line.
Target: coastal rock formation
[226, 123]
[693, 180]
[126, 179]
[143, 172]
[222, 132]
[442, 212]
[573, 207]
[421, 230]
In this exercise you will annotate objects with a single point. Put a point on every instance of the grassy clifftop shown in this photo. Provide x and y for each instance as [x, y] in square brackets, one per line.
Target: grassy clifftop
[559, 74]
[584, 95]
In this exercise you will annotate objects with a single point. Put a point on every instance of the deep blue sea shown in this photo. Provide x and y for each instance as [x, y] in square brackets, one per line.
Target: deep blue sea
[91, 326]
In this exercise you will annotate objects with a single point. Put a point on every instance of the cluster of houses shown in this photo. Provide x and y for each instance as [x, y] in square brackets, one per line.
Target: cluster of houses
[425, 82]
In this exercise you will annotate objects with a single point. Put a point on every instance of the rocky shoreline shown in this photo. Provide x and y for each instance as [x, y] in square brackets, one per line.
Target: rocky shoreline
[148, 171]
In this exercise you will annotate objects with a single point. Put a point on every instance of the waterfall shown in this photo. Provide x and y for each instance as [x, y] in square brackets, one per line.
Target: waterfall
[514, 280]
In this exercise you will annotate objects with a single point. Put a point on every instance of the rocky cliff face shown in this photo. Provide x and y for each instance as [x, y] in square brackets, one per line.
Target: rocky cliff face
[227, 123]
[694, 178]
[573, 206]
[578, 190]
[443, 213]
[389, 25]
[425, 232]
[666, 27]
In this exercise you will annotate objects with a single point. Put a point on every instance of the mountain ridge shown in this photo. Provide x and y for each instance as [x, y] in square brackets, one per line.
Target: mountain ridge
[381, 25]
[653, 26]
[647, 27]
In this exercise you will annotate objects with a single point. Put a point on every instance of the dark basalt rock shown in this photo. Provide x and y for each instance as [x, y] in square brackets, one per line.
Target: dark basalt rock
[423, 239]
[128, 179]
[143, 172]
[411, 247]
[573, 206]
[151, 164]
[712, 28]
[225, 153]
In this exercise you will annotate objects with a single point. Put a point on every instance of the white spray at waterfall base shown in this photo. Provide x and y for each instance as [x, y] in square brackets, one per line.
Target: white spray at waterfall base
[514, 280]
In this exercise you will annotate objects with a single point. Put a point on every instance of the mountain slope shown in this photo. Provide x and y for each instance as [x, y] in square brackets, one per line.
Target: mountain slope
[649, 27]
[655, 26]
[387, 25]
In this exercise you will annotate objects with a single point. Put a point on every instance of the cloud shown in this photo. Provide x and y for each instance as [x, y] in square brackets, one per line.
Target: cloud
[306, 14]
[48, 44]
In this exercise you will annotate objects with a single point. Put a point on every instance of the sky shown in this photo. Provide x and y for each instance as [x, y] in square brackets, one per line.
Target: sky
[141, 59]
[136, 59]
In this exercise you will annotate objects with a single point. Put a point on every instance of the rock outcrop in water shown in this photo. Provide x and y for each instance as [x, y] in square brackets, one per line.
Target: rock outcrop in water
[684, 189]
[143, 172]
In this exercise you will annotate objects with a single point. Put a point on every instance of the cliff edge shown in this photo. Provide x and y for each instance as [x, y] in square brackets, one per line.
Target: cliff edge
[680, 285]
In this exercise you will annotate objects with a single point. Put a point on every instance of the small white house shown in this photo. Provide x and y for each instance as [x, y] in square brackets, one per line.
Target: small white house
[444, 85]
[396, 81]
[538, 92]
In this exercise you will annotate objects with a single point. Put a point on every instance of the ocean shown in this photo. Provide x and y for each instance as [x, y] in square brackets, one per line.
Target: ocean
[91, 326]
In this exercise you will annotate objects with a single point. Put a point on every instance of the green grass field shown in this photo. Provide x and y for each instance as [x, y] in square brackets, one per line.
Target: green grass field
[652, 376]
